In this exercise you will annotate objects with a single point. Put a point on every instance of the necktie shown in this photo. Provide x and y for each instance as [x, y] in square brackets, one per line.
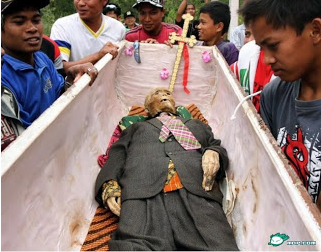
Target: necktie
[179, 130]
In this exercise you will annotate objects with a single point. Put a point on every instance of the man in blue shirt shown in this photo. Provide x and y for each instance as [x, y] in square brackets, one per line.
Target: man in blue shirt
[28, 73]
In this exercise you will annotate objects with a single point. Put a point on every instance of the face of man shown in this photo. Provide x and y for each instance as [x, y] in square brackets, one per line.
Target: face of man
[290, 56]
[130, 21]
[160, 99]
[207, 30]
[190, 9]
[89, 10]
[150, 17]
[22, 34]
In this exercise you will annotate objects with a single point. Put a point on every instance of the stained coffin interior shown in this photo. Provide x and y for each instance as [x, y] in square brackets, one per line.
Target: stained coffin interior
[48, 173]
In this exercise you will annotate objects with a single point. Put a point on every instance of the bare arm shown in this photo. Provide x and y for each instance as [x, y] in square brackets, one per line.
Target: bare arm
[93, 58]
[181, 10]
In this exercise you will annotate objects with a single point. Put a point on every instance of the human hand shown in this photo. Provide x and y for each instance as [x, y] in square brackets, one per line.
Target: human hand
[76, 71]
[114, 204]
[150, 41]
[109, 48]
[168, 43]
[210, 166]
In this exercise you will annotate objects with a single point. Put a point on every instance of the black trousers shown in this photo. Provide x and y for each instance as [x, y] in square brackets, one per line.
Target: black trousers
[176, 220]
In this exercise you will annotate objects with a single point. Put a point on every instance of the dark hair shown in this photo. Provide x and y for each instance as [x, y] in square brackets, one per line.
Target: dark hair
[112, 7]
[282, 13]
[13, 8]
[188, 5]
[219, 12]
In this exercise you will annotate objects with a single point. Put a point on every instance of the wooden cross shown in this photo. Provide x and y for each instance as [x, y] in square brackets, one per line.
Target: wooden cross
[182, 39]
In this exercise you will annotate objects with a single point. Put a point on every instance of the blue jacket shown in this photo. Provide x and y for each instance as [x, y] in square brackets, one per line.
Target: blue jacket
[35, 87]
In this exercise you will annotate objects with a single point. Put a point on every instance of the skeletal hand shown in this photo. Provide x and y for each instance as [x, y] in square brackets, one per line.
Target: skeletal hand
[114, 204]
[210, 166]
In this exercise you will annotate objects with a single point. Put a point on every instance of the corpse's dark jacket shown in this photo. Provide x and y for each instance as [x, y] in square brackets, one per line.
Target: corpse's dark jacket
[138, 161]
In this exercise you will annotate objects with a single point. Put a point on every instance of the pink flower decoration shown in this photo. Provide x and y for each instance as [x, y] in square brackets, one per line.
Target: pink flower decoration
[206, 56]
[129, 51]
[164, 74]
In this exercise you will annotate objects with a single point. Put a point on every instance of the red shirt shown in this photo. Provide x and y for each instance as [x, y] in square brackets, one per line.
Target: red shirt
[262, 77]
[139, 34]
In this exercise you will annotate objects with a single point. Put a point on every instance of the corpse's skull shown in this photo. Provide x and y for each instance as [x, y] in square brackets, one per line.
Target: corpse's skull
[159, 100]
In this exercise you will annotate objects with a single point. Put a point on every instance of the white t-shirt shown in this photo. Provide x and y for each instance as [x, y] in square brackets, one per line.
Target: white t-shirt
[76, 40]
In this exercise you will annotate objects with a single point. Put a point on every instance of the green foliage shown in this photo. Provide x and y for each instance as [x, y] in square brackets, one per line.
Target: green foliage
[240, 17]
[60, 8]
[48, 18]
[55, 10]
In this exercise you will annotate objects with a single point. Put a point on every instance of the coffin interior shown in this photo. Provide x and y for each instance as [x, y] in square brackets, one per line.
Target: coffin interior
[48, 173]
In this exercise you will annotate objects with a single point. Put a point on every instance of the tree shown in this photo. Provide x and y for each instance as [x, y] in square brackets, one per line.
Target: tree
[55, 10]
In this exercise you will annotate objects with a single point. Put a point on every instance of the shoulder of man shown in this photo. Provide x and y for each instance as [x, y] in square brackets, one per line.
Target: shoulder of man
[276, 91]
[113, 22]
[50, 47]
[180, 24]
[43, 58]
[131, 35]
[275, 86]
[117, 27]
[62, 21]
[249, 50]
[46, 63]
[173, 27]
[228, 44]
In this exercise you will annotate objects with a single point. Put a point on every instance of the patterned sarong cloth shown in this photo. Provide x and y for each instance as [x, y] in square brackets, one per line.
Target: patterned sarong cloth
[173, 182]
[179, 130]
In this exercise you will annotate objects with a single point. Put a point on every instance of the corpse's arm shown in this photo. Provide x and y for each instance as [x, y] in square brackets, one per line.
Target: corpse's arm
[214, 160]
[111, 196]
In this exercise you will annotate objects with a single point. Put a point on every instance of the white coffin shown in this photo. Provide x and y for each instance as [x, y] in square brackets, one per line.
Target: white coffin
[48, 173]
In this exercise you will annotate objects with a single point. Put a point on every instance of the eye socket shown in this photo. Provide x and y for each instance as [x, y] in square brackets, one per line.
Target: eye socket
[19, 22]
[273, 46]
[37, 21]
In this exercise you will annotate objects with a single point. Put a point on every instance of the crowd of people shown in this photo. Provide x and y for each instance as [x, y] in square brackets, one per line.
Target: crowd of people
[276, 52]
[99, 28]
